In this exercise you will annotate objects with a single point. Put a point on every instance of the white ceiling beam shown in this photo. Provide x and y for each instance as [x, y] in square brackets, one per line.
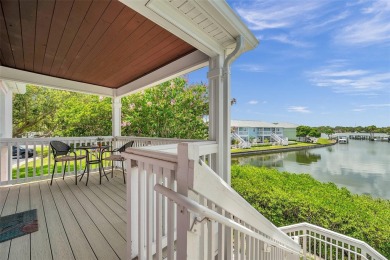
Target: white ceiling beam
[186, 64]
[15, 87]
[25, 77]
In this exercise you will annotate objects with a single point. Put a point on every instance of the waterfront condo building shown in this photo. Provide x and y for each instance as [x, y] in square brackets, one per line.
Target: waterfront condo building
[261, 132]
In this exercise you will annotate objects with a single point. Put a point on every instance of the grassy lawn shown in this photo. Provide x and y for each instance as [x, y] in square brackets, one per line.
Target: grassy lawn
[42, 166]
[271, 147]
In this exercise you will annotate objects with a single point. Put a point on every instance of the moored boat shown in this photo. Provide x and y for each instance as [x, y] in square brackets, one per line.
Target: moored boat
[342, 140]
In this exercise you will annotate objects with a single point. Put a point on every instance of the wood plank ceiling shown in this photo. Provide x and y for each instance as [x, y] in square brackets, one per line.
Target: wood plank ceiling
[100, 42]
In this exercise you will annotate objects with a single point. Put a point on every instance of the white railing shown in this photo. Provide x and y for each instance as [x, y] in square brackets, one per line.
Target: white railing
[239, 231]
[17, 169]
[242, 143]
[149, 141]
[194, 214]
[320, 243]
[279, 140]
[152, 219]
[39, 166]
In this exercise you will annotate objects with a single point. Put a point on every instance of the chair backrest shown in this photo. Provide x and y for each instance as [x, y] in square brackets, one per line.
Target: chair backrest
[59, 148]
[126, 145]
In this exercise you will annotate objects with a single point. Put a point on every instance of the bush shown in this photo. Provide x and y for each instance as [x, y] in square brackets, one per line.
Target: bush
[286, 198]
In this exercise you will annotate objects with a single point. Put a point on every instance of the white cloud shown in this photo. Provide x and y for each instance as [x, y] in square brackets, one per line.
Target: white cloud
[330, 21]
[372, 26]
[251, 67]
[262, 15]
[298, 109]
[370, 106]
[283, 38]
[353, 81]
[357, 23]
[377, 105]
[253, 102]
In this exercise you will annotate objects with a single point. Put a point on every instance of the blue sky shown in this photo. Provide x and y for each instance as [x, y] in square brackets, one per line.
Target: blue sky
[318, 63]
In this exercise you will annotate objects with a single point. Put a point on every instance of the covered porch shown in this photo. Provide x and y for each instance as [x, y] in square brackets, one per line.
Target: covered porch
[113, 48]
[108, 48]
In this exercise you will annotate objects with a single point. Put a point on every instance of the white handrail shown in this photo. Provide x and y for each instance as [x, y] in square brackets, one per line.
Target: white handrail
[210, 185]
[199, 209]
[243, 143]
[334, 235]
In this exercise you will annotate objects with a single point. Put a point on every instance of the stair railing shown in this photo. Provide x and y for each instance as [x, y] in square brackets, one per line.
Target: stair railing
[214, 221]
[321, 243]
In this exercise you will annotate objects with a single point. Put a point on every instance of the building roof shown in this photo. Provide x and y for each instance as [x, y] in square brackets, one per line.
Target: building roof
[249, 123]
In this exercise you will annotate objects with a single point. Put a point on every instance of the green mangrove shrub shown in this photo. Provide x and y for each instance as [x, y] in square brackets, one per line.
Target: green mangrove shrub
[286, 198]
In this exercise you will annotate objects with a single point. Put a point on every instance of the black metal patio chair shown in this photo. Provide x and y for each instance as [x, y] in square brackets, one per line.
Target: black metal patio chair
[64, 153]
[116, 158]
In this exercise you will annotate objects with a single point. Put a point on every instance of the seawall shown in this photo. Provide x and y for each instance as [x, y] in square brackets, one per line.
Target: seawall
[280, 150]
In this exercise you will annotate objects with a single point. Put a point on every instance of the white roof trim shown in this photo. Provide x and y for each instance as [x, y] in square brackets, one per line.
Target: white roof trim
[250, 123]
[19, 76]
[230, 22]
[179, 21]
[186, 64]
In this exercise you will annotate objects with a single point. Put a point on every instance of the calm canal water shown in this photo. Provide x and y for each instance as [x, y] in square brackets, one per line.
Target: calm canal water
[363, 167]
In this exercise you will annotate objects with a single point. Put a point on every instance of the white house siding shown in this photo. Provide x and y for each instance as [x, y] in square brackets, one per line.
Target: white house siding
[261, 131]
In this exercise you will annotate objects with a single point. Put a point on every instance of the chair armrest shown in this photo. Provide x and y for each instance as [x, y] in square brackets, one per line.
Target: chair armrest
[107, 151]
[74, 153]
[79, 149]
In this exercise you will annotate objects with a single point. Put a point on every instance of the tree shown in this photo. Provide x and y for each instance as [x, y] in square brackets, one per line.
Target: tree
[303, 131]
[171, 110]
[371, 129]
[84, 115]
[314, 133]
[35, 110]
[60, 113]
[328, 131]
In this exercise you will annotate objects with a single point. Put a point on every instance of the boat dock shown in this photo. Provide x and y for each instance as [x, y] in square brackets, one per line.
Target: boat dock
[369, 137]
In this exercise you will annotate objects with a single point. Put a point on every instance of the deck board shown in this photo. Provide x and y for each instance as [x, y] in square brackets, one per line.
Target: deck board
[113, 218]
[108, 190]
[20, 246]
[79, 244]
[3, 198]
[90, 230]
[111, 185]
[40, 244]
[75, 222]
[111, 203]
[108, 231]
[9, 208]
[58, 239]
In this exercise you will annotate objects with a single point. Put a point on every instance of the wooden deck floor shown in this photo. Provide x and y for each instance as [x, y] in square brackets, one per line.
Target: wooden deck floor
[75, 222]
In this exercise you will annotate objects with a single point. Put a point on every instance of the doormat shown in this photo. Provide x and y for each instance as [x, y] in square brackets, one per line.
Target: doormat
[18, 224]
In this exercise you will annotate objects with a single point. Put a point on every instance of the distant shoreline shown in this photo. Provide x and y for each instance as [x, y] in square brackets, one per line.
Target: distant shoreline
[278, 150]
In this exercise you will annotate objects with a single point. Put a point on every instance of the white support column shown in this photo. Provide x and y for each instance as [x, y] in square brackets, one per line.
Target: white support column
[183, 216]
[116, 116]
[216, 120]
[219, 107]
[5, 127]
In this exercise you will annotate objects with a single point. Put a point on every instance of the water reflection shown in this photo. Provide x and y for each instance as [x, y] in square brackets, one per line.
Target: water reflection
[306, 157]
[360, 166]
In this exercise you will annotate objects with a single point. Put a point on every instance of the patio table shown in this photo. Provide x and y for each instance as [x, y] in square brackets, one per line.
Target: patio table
[98, 157]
